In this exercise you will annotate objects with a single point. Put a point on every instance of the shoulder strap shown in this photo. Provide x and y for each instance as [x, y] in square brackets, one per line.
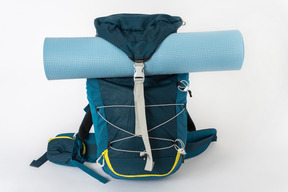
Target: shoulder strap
[190, 123]
[85, 125]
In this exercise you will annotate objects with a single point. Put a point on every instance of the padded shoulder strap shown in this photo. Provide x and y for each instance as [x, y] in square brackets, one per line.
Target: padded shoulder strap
[190, 123]
[85, 125]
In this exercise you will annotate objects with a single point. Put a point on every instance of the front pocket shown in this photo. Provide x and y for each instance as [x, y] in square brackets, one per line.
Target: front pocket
[134, 168]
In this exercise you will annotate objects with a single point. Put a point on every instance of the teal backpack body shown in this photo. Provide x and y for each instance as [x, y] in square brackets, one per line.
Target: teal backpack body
[114, 116]
[142, 129]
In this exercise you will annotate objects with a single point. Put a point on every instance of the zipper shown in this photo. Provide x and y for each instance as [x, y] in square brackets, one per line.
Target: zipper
[72, 138]
[106, 160]
[61, 137]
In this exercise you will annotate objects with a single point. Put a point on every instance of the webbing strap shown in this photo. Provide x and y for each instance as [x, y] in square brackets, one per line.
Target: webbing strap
[77, 160]
[140, 114]
[190, 123]
[37, 163]
[88, 171]
[85, 125]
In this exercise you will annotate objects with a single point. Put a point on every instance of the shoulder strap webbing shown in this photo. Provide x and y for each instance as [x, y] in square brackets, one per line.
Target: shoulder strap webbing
[85, 125]
[78, 161]
[190, 123]
[89, 171]
[37, 163]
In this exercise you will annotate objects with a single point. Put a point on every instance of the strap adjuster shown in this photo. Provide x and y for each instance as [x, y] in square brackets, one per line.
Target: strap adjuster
[139, 75]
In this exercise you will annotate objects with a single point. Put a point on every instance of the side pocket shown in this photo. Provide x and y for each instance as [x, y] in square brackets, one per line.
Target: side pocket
[60, 149]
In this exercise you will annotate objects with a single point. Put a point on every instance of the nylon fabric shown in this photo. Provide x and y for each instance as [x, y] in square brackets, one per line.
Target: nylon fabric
[119, 92]
[136, 122]
[156, 90]
[60, 150]
[100, 126]
[138, 35]
[198, 141]
[182, 119]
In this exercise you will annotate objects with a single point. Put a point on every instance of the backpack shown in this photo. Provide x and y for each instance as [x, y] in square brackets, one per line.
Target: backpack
[142, 129]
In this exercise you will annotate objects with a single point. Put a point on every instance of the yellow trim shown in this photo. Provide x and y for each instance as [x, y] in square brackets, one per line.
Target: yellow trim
[60, 137]
[66, 137]
[105, 153]
[84, 148]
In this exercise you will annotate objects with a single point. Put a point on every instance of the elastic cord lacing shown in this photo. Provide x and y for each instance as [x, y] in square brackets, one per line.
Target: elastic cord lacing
[181, 149]
[143, 154]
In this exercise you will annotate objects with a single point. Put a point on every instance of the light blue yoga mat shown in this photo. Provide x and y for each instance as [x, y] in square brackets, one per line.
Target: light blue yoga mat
[94, 57]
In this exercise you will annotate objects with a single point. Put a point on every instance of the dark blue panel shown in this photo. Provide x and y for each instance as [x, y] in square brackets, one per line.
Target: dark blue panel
[158, 90]
[138, 35]
[136, 166]
[60, 150]
[198, 141]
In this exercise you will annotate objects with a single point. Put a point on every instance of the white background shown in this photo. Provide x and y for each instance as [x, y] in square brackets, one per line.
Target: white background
[248, 107]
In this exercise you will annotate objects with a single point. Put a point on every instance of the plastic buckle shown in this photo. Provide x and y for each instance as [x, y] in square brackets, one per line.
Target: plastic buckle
[139, 75]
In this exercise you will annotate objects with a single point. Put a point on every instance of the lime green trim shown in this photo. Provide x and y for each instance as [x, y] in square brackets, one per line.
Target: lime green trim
[105, 154]
[84, 148]
[66, 137]
[61, 137]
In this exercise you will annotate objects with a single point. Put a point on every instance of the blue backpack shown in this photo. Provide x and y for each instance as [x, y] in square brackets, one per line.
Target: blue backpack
[142, 129]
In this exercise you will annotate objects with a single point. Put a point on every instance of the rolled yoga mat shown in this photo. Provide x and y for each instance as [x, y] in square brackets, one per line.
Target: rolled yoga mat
[94, 57]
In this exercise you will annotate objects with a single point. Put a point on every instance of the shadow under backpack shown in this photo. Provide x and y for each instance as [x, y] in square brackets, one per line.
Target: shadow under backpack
[142, 129]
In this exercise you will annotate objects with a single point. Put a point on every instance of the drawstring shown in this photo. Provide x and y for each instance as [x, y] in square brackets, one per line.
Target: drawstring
[181, 149]
[183, 86]
[143, 154]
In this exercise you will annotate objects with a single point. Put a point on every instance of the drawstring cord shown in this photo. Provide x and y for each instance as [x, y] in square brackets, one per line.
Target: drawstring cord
[181, 149]
[144, 154]
[183, 86]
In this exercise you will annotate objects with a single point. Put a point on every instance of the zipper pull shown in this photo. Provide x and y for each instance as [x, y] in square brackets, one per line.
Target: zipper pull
[190, 92]
[182, 158]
